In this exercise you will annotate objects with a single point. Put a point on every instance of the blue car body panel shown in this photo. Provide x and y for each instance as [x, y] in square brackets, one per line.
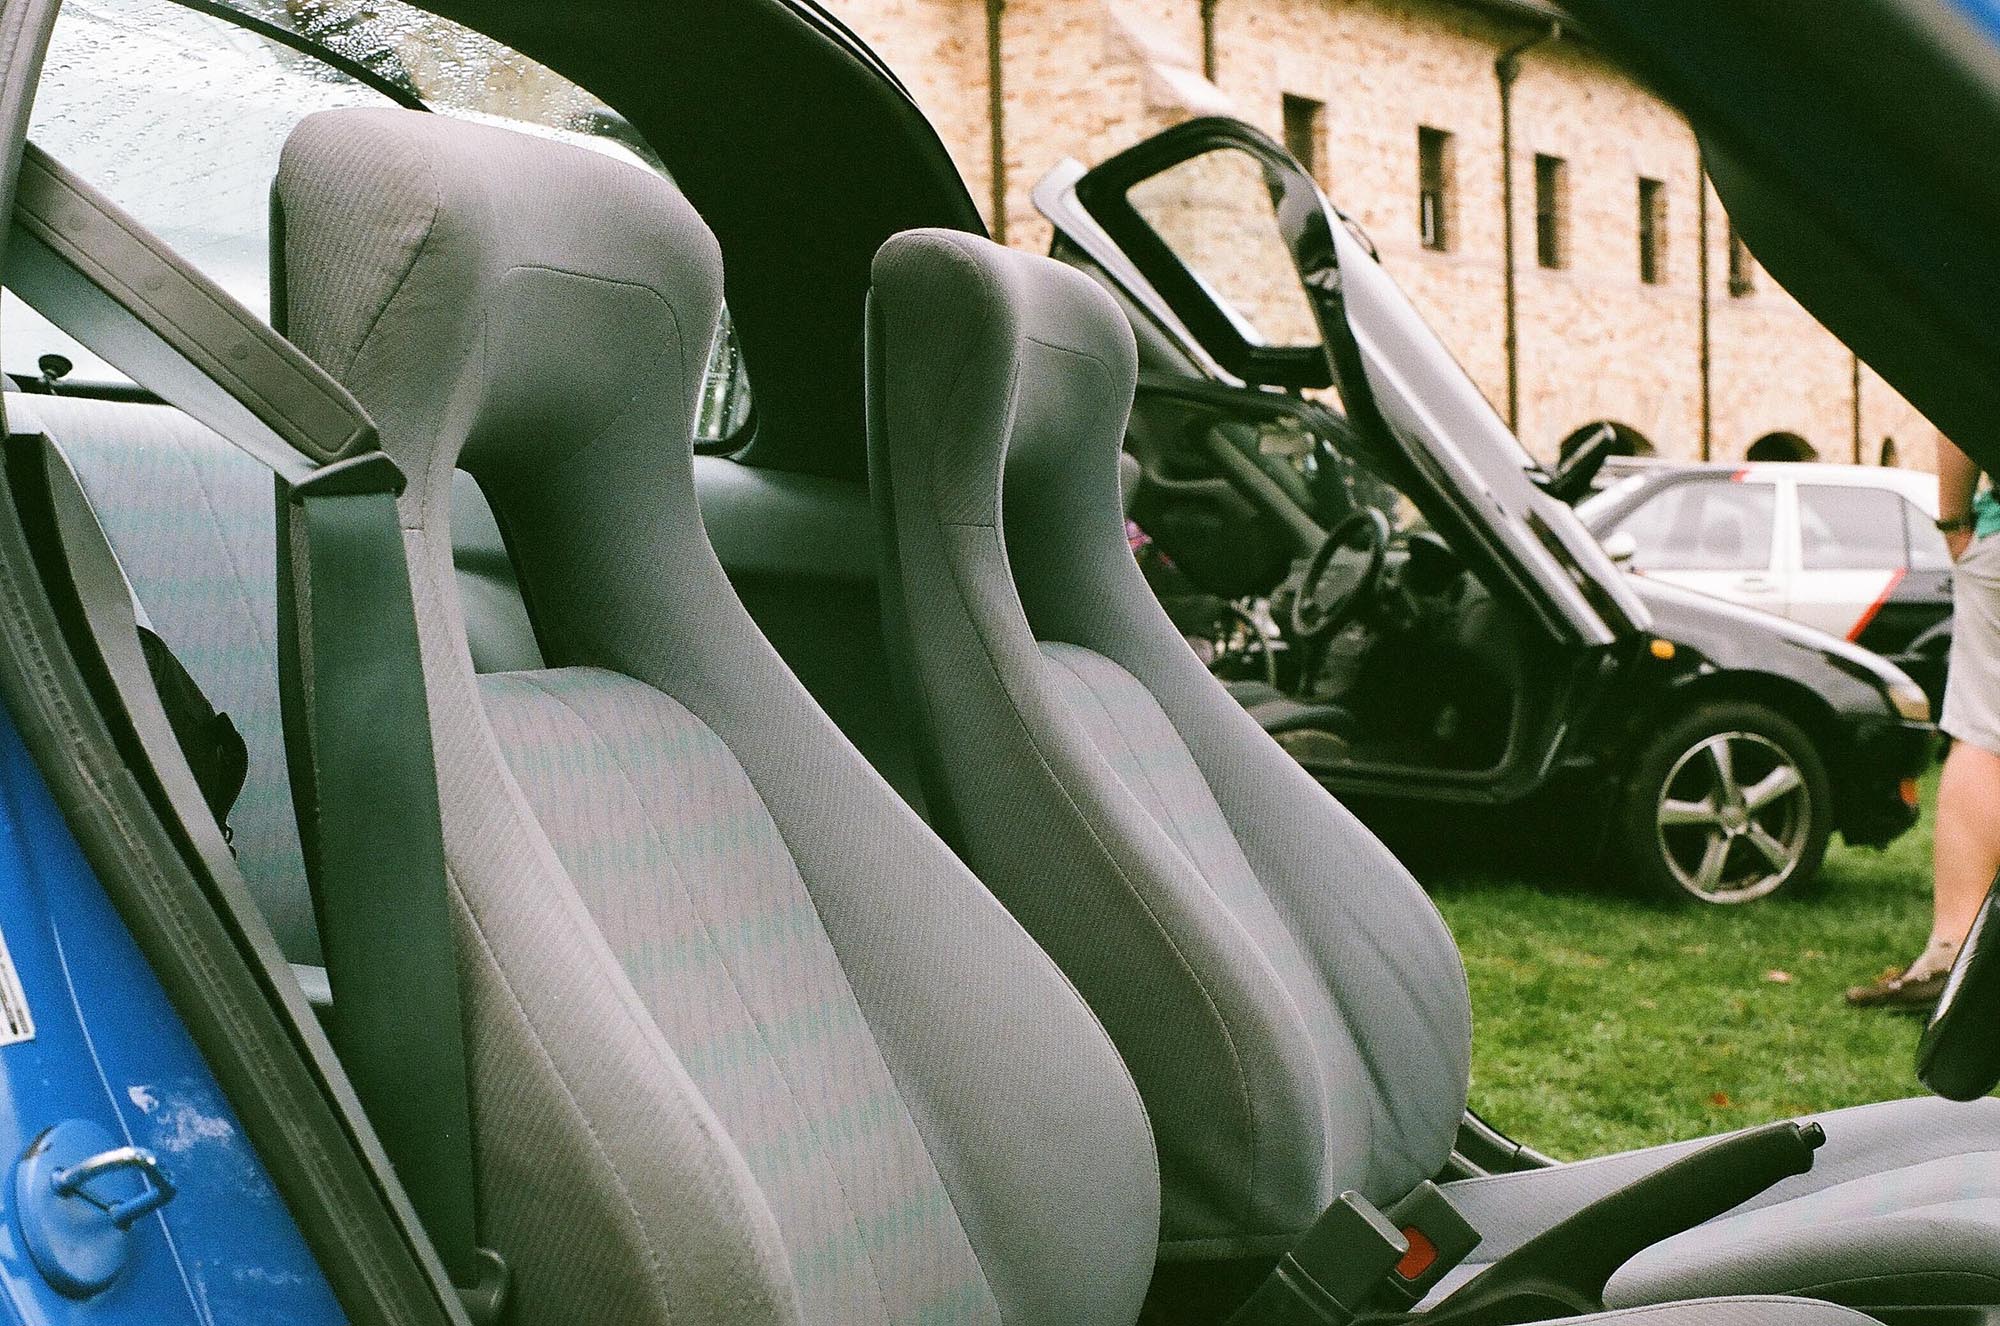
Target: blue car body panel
[108, 1048]
[1986, 13]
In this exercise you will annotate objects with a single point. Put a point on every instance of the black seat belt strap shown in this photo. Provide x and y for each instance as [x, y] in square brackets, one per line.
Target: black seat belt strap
[364, 779]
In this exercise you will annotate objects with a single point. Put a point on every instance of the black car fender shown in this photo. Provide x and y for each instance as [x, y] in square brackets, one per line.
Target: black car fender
[1703, 649]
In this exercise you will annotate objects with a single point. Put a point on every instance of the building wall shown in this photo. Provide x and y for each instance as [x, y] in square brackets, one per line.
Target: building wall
[1086, 78]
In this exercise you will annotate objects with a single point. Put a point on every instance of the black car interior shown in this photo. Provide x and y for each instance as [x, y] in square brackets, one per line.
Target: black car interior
[1388, 653]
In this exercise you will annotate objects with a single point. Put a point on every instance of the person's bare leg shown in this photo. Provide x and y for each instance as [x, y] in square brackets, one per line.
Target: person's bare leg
[1965, 856]
[1965, 848]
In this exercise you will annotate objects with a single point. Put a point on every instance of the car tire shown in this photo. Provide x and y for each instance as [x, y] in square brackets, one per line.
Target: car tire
[1728, 803]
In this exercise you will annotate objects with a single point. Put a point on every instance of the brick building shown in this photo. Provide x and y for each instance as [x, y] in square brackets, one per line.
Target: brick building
[1631, 301]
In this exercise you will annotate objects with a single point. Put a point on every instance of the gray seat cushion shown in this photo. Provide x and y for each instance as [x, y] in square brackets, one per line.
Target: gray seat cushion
[1277, 712]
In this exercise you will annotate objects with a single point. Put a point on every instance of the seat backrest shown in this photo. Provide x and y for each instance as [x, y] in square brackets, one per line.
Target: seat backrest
[1290, 1002]
[748, 1043]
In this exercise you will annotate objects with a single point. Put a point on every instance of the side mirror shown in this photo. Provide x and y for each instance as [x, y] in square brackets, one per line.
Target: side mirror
[1570, 483]
[1621, 548]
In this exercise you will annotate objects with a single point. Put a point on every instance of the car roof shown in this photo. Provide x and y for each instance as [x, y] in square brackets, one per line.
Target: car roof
[1917, 485]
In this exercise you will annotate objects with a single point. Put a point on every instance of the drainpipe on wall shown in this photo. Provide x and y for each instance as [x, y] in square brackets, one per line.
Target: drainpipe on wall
[1707, 345]
[1854, 399]
[1208, 39]
[996, 119]
[1505, 70]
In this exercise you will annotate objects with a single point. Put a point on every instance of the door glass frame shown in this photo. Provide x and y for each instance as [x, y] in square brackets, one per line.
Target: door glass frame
[1487, 506]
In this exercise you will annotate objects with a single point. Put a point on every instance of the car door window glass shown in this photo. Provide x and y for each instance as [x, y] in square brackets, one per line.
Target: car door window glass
[1843, 528]
[1706, 525]
[1214, 211]
[179, 116]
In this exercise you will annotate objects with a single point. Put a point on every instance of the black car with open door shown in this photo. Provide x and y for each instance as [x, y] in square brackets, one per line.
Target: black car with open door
[1345, 529]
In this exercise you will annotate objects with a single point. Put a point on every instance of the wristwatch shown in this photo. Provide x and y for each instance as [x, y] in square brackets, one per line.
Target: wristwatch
[1955, 525]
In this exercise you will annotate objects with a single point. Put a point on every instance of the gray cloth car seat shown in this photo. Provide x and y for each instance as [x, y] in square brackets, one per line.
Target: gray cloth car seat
[1291, 1004]
[748, 1043]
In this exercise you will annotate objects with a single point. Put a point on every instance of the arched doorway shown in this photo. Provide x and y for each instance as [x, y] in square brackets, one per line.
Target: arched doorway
[1627, 441]
[1781, 446]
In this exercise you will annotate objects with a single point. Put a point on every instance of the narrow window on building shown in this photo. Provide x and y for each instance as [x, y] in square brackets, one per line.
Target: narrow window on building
[1305, 133]
[1742, 267]
[1435, 186]
[1652, 232]
[1551, 211]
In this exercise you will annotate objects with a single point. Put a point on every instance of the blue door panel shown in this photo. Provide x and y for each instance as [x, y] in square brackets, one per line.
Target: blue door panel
[107, 1048]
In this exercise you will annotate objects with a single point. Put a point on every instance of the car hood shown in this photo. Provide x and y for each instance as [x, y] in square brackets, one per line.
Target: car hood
[1731, 634]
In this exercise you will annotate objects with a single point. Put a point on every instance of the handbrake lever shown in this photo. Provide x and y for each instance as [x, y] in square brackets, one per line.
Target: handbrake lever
[1356, 1267]
[1563, 1270]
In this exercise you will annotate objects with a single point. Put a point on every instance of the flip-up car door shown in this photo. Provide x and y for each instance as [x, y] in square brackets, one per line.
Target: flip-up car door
[1243, 279]
[1215, 233]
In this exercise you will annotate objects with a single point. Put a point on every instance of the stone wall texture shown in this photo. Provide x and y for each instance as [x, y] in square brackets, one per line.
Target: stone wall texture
[1085, 78]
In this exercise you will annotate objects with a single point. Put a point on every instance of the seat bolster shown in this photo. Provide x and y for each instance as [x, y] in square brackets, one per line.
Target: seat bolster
[607, 1182]
[1216, 1043]
[1024, 1102]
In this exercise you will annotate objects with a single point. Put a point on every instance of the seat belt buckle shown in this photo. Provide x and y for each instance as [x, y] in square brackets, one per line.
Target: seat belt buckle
[1329, 1276]
[1355, 1261]
[1439, 1239]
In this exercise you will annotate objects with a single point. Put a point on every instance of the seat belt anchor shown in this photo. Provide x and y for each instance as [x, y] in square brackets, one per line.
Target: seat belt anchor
[369, 473]
[485, 1298]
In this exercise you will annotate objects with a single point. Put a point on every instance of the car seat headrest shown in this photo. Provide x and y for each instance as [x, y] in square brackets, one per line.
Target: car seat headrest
[1025, 364]
[492, 298]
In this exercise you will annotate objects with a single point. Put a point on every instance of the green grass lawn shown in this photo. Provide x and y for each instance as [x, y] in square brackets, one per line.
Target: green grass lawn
[1602, 1022]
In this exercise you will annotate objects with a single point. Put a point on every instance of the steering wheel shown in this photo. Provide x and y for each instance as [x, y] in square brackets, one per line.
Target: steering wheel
[1350, 561]
[1959, 1056]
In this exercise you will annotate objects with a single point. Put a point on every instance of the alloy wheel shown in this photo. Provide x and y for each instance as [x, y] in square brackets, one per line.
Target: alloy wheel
[1733, 818]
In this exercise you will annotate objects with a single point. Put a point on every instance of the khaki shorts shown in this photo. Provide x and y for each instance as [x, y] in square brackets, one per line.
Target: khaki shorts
[1972, 687]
